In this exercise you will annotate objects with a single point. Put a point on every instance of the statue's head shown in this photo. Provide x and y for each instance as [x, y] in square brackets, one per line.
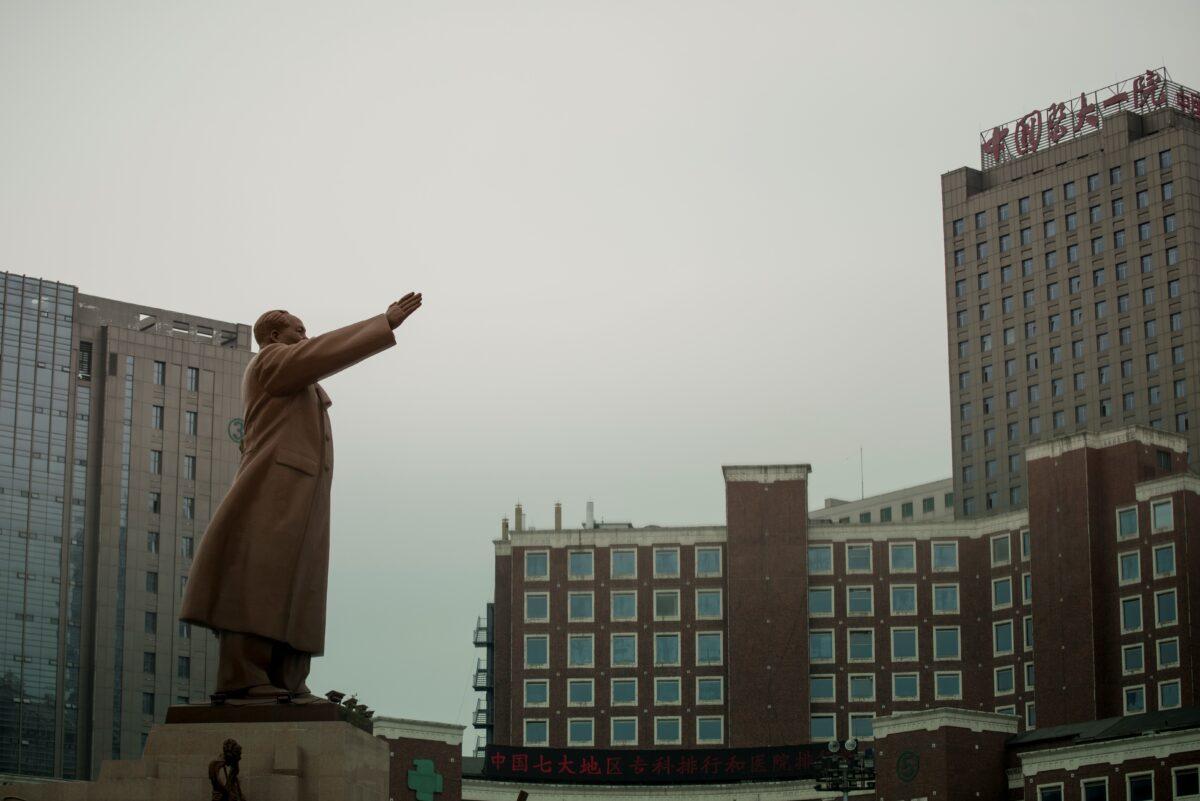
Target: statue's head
[279, 326]
[231, 752]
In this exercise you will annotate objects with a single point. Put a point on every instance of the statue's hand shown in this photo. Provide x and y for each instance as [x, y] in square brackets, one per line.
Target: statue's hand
[398, 312]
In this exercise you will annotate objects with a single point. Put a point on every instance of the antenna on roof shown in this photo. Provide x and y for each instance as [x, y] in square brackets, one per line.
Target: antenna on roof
[861, 482]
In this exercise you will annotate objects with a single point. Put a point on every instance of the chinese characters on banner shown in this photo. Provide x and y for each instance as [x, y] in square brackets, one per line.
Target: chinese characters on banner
[650, 767]
[1043, 128]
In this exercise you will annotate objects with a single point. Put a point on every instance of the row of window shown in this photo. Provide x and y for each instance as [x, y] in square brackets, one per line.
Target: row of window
[1166, 611]
[191, 376]
[668, 730]
[150, 665]
[860, 687]
[1168, 692]
[902, 556]
[947, 643]
[1003, 211]
[187, 508]
[191, 420]
[1054, 321]
[1055, 352]
[928, 505]
[151, 626]
[189, 465]
[983, 281]
[860, 600]
[1183, 783]
[1129, 564]
[152, 583]
[1058, 417]
[624, 691]
[581, 564]
[187, 547]
[1133, 656]
[623, 650]
[1079, 380]
[623, 605]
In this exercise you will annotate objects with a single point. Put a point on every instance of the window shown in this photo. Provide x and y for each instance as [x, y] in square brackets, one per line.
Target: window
[1027, 299]
[189, 508]
[927, 505]
[946, 643]
[580, 606]
[537, 692]
[1069, 190]
[623, 650]
[1186, 781]
[980, 219]
[624, 605]
[1131, 614]
[183, 667]
[152, 541]
[1027, 631]
[622, 563]
[1002, 637]
[160, 373]
[151, 581]
[945, 556]
[189, 468]
[1005, 243]
[1169, 694]
[1026, 538]
[624, 692]
[858, 558]
[1129, 567]
[710, 729]
[536, 651]
[537, 607]
[904, 599]
[1162, 516]
[1168, 191]
[666, 562]
[1077, 349]
[1135, 700]
[537, 732]
[822, 728]
[1005, 681]
[185, 630]
[666, 604]
[1146, 263]
[1132, 659]
[1002, 593]
[820, 646]
[859, 600]
[1143, 231]
[193, 379]
[957, 227]
[580, 731]
[580, 565]
[190, 423]
[156, 418]
[1143, 199]
[1029, 676]
[151, 622]
[1026, 271]
[1166, 610]
[1139, 167]
[708, 562]
[905, 687]
[947, 685]
[904, 644]
[1072, 257]
[537, 565]
[1001, 549]
[147, 703]
[1051, 259]
[149, 662]
[666, 691]
[666, 649]
[862, 725]
[1047, 197]
[860, 644]
[820, 559]
[623, 731]
[580, 650]
[1164, 561]
[906, 510]
[1164, 160]
[710, 690]
[862, 686]
[709, 648]
[667, 731]
[1023, 205]
[820, 601]
[1052, 291]
[708, 604]
[1168, 653]
[885, 514]
[1050, 792]
[960, 288]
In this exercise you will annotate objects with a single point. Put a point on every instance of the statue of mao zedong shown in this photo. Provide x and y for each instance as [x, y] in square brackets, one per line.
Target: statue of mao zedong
[261, 569]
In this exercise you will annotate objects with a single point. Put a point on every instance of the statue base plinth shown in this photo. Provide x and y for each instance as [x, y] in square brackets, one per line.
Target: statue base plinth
[288, 760]
[266, 711]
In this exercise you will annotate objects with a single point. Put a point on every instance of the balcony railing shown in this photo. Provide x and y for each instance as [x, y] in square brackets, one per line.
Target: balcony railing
[483, 715]
[483, 675]
[483, 634]
[480, 745]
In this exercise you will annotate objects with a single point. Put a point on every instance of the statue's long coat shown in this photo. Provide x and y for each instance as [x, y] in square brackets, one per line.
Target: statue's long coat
[263, 564]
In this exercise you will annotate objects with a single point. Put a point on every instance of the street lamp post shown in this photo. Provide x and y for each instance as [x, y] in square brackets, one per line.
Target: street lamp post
[853, 770]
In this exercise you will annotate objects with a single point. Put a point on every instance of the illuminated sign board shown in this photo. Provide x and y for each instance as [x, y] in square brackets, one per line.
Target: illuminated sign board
[1066, 120]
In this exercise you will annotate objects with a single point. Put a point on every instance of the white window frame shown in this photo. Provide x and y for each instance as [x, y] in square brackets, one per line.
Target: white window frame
[1023, 536]
[720, 718]
[525, 731]
[892, 546]
[1154, 505]
[823, 716]
[678, 605]
[892, 599]
[1158, 624]
[1136, 519]
[870, 589]
[678, 690]
[1011, 593]
[832, 601]
[828, 546]
[611, 561]
[859, 660]
[678, 639]
[850, 677]
[895, 697]
[1145, 701]
[1030, 707]
[576, 704]
[1027, 641]
[1135, 646]
[1158, 653]
[720, 561]
[916, 657]
[1007, 537]
[1141, 614]
[1062, 790]
[612, 695]
[938, 696]
[833, 682]
[1121, 580]
[1178, 689]
[1129, 777]
[1012, 637]
[996, 691]
[678, 565]
[590, 619]
[525, 653]
[1007, 709]
[572, 635]
[859, 715]
[612, 651]
[832, 650]
[581, 576]
[1083, 783]
[720, 637]
[937, 658]
[525, 565]
[525, 609]
[720, 682]
[525, 697]
[611, 730]
[720, 603]
[1179, 769]
[870, 559]
[678, 723]
[610, 605]
[1026, 588]
[1026, 668]
[957, 598]
[1170, 546]
[933, 546]
[578, 744]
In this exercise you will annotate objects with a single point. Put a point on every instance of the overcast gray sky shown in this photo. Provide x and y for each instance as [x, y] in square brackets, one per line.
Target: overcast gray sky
[653, 238]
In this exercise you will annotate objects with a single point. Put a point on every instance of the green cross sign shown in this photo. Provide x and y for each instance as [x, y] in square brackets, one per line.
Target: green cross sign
[424, 780]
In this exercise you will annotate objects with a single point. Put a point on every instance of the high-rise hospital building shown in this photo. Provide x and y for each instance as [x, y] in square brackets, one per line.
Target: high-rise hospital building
[119, 429]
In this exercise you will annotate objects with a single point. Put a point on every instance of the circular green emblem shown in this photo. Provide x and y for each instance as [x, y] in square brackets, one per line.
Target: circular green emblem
[236, 429]
[907, 765]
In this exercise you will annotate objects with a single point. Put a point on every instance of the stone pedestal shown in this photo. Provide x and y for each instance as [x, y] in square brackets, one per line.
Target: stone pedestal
[322, 760]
